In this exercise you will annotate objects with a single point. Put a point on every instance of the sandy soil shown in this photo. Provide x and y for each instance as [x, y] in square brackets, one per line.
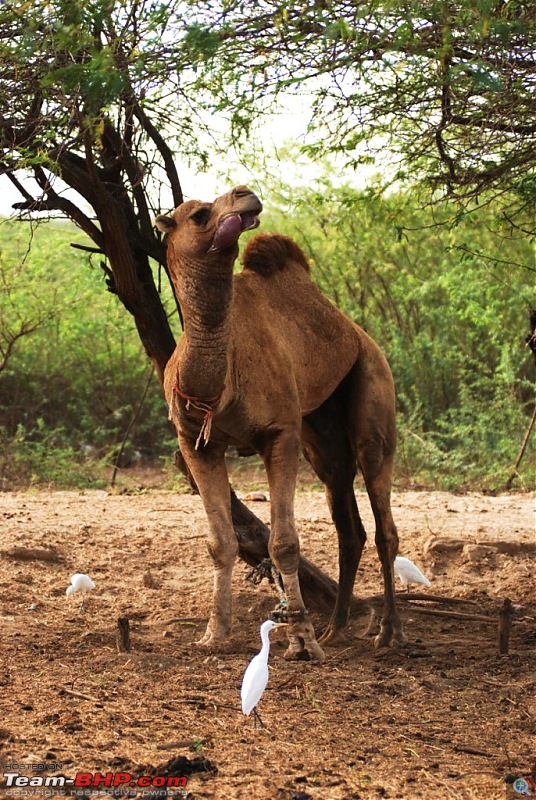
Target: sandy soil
[448, 717]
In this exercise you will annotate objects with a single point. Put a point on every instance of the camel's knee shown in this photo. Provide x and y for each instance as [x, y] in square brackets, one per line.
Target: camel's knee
[372, 455]
[386, 539]
[285, 555]
[223, 553]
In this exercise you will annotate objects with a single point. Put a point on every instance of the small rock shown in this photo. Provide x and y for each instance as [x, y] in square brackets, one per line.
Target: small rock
[258, 497]
[440, 544]
[473, 553]
[148, 580]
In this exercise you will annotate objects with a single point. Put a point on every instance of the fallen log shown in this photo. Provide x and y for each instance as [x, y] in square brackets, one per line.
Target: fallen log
[318, 589]
[437, 612]
[429, 598]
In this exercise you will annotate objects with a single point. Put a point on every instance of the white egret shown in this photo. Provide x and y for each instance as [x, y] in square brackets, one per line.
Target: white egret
[256, 674]
[407, 572]
[80, 583]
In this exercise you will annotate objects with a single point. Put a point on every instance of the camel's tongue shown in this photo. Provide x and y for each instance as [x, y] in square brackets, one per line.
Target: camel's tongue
[227, 233]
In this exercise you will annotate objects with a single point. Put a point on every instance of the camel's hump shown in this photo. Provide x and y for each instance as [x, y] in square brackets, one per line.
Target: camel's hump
[267, 254]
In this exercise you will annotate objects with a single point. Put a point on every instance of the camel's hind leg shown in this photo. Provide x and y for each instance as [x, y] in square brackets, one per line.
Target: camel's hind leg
[373, 433]
[281, 457]
[378, 483]
[327, 448]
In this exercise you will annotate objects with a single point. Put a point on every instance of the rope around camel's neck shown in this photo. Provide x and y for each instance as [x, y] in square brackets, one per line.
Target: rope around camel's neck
[205, 294]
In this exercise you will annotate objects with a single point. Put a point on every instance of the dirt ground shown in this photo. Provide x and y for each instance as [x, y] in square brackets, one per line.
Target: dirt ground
[447, 717]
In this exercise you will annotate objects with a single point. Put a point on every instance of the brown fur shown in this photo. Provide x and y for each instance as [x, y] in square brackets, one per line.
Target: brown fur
[268, 362]
[265, 254]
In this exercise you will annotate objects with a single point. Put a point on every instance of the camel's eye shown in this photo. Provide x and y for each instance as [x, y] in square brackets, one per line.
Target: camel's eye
[200, 216]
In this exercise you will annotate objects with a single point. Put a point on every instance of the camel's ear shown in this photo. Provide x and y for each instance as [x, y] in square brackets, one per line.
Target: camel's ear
[164, 224]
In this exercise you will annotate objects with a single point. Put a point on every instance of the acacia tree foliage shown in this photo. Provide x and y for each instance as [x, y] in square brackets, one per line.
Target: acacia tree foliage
[105, 93]
[448, 86]
[84, 91]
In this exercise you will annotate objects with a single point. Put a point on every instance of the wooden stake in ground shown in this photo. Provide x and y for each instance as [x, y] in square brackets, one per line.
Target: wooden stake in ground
[505, 623]
[123, 635]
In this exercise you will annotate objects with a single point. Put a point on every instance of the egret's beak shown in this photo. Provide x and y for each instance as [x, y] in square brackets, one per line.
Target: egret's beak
[281, 624]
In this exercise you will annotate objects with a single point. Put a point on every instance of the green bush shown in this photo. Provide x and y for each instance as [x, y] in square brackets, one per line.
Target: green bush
[44, 458]
[72, 385]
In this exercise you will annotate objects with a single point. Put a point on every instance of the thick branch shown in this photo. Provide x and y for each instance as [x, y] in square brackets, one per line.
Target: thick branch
[318, 589]
[135, 177]
[55, 202]
[481, 122]
[165, 152]
[445, 117]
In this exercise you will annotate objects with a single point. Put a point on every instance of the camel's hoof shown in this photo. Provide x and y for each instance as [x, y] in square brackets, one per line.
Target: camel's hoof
[373, 627]
[333, 636]
[207, 644]
[315, 651]
[302, 640]
[311, 652]
[388, 637]
[301, 650]
[293, 653]
[211, 640]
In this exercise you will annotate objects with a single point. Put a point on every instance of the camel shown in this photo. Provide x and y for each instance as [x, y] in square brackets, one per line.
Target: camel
[266, 362]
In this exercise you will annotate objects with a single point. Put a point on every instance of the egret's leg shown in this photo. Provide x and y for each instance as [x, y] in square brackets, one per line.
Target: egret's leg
[257, 718]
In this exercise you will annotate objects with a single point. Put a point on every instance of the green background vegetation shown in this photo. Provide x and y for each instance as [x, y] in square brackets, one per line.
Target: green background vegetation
[446, 296]
[69, 389]
[112, 98]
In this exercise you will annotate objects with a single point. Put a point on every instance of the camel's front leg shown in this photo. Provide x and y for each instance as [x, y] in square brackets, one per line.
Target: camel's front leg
[281, 461]
[210, 474]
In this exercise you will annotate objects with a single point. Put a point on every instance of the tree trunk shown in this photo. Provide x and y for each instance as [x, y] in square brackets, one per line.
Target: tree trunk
[318, 589]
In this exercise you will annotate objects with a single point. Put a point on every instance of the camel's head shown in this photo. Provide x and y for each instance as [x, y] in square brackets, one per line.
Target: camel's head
[197, 228]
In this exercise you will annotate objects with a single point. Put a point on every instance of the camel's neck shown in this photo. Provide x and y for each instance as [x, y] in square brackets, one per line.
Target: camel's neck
[204, 292]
